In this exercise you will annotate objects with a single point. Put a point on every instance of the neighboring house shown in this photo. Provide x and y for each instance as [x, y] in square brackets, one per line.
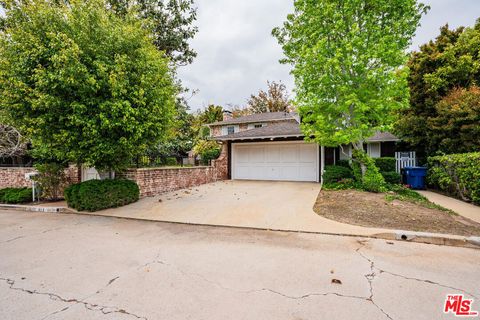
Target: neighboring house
[271, 146]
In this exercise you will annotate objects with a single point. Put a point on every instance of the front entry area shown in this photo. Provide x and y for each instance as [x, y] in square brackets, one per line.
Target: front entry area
[281, 161]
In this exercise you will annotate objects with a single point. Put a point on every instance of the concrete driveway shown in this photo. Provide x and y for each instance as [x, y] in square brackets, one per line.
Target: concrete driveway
[57, 266]
[272, 205]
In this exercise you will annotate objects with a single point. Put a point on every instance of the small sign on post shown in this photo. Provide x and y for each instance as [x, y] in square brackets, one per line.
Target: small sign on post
[28, 177]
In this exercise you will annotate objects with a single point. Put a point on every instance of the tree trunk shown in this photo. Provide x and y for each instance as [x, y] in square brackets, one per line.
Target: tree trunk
[359, 146]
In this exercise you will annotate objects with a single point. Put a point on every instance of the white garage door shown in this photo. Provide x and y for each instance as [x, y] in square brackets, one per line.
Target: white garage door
[287, 161]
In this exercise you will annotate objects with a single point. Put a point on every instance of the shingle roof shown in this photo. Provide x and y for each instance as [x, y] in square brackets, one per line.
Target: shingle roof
[272, 130]
[288, 129]
[383, 136]
[257, 117]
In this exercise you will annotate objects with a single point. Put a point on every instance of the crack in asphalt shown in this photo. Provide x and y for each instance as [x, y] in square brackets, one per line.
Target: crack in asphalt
[89, 306]
[13, 239]
[429, 282]
[268, 290]
[38, 233]
[371, 277]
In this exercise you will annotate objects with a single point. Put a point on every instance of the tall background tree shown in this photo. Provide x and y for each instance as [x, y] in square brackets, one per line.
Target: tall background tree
[275, 99]
[83, 84]
[348, 59]
[170, 21]
[451, 61]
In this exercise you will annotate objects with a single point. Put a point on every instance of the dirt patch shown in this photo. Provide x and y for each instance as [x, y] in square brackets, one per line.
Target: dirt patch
[372, 210]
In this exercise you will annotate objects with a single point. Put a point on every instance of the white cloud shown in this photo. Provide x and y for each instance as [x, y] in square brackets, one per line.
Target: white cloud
[237, 54]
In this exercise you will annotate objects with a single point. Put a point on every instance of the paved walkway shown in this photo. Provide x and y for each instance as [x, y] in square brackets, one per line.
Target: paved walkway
[272, 205]
[462, 208]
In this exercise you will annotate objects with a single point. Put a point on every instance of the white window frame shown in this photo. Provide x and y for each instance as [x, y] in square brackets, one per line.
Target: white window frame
[252, 125]
[236, 129]
[369, 149]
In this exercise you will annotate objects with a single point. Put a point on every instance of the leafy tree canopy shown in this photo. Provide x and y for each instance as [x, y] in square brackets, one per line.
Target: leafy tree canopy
[170, 21]
[456, 125]
[451, 61]
[83, 84]
[348, 59]
[181, 137]
[172, 24]
[211, 114]
[275, 99]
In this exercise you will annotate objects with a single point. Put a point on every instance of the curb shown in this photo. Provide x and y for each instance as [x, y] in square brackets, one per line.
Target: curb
[26, 208]
[396, 235]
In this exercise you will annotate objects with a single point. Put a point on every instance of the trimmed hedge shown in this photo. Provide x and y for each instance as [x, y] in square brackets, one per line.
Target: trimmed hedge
[94, 195]
[391, 177]
[343, 163]
[456, 174]
[334, 174]
[15, 195]
[385, 164]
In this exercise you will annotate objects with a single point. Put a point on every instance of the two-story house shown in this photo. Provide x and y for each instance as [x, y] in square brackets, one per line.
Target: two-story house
[271, 146]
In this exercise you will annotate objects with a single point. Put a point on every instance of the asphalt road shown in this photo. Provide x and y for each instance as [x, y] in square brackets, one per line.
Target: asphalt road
[60, 266]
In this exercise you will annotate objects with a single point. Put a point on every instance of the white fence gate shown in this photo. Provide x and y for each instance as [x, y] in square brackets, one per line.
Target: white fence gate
[404, 159]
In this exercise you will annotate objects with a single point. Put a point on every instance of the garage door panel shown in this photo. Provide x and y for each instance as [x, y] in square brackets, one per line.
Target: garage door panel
[242, 155]
[307, 154]
[275, 161]
[289, 173]
[307, 173]
[289, 154]
[257, 154]
[274, 154]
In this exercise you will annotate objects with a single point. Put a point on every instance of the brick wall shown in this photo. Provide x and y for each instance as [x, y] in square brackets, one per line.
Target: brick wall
[14, 177]
[153, 181]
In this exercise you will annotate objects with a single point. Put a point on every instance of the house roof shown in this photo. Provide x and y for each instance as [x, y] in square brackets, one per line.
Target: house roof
[257, 117]
[285, 129]
[383, 136]
[272, 130]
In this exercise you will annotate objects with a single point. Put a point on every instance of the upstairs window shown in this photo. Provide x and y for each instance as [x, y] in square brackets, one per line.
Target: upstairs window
[256, 125]
[230, 130]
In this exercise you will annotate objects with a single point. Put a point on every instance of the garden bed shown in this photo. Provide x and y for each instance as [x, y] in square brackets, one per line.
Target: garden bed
[382, 210]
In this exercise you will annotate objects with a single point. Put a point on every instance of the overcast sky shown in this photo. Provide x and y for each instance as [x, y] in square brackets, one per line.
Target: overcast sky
[237, 54]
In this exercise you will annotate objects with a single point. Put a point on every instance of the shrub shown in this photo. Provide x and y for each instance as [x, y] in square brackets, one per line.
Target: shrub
[456, 174]
[51, 179]
[15, 195]
[371, 180]
[385, 164]
[391, 177]
[171, 161]
[94, 195]
[334, 174]
[209, 155]
[343, 163]
[207, 149]
[343, 184]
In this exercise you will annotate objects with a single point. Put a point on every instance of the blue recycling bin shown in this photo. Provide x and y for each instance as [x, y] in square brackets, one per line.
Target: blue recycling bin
[415, 177]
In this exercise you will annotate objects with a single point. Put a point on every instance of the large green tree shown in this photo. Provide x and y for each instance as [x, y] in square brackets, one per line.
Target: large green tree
[348, 62]
[170, 21]
[456, 124]
[83, 84]
[171, 24]
[451, 61]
